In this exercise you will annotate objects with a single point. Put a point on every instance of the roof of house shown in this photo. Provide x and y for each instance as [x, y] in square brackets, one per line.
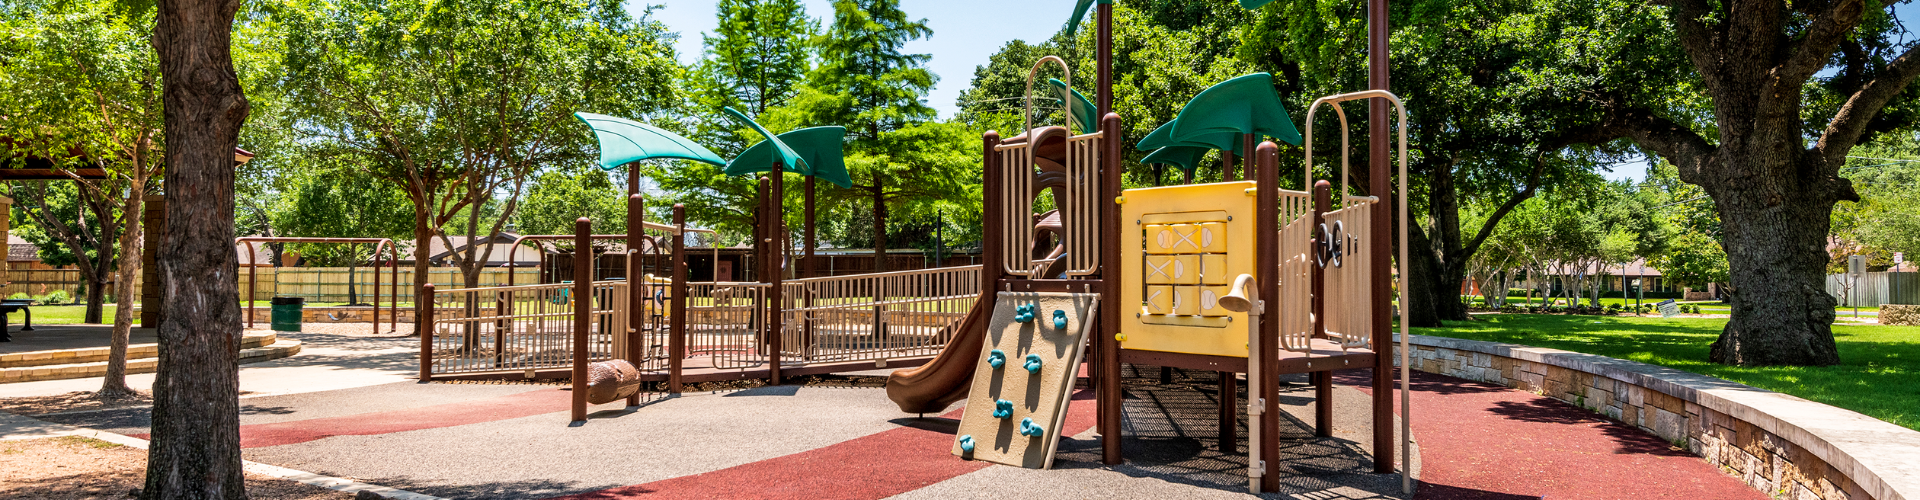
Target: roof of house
[21, 250]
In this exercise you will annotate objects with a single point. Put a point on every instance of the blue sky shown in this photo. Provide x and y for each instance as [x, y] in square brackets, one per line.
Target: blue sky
[966, 32]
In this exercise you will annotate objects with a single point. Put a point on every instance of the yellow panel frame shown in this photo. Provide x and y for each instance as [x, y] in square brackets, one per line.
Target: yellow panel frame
[1228, 205]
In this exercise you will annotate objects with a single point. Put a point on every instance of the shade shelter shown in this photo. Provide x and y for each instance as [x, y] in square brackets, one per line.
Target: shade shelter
[816, 153]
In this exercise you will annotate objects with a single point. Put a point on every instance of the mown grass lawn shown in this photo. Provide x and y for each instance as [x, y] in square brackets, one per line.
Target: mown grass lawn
[1879, 374]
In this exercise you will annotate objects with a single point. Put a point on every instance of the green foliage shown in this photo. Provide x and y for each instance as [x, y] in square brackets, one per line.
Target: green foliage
[864, 81]
[462, 102]
[561, 195]
[18, 295]
[1878, 365]
[329, 203]
[755, 59]
[1884, 221]
[57, 297]
[1694, 256]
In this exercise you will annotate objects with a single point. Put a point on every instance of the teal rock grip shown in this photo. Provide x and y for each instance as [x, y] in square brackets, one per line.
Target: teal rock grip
[1023, 313]
[1033, 363]
[1059, 319]
[996, 358]
[1028, 428]
[1002, 409]
[966, 443]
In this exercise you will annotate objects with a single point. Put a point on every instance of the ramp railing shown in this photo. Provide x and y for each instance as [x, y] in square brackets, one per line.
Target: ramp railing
[518, 328]
[723, 323]
[877, 316]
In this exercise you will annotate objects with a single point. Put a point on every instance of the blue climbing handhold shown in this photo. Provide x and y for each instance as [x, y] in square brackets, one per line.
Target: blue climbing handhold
[1002, 409]
[1033, 363]
[966, 443]
[1059, 319]
[1028, 428]
[996, 358]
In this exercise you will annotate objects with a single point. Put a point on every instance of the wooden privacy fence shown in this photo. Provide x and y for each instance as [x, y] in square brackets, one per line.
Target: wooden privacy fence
[1874, 289]
[330, 284]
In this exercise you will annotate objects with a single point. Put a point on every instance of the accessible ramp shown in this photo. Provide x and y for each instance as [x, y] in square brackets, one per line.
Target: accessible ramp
[1023, 376]
[931, 387]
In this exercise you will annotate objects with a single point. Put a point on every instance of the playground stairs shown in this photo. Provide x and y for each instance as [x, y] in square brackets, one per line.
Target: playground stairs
[58, 364]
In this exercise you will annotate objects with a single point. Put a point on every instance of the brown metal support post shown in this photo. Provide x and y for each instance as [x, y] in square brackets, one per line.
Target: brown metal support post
[1229, 411]
[1247, 143]
[1227, 162]
[1322, 381]
[376, 287]
[582, 311]
[807, 270]
[1377, 180]
[677, 342]
[1108, 378]
[393, 308]
[776, 233]
[1267, 265]
[636, 281]
[252, 281]
[426, 334]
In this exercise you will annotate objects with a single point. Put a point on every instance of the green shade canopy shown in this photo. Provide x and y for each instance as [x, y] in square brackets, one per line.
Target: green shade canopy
[624, 141]
[1245, 104]
[1080, 12]
[1254, 4]
[821, 151]
[1080, 109]
[787, 156]
[1163, 137]
[1185, 157]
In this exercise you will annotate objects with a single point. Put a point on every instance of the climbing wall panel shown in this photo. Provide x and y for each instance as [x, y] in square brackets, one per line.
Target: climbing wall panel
[1018, 401]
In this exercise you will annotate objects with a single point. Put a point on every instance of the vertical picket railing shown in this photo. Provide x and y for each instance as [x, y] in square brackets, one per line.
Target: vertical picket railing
[520, 328]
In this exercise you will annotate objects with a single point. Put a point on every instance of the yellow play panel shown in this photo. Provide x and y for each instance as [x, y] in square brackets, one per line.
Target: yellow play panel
[1015, 409]
[1183, 245]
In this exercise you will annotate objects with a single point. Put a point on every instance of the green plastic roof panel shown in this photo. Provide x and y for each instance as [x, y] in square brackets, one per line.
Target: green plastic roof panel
[624, 141]
[1082, 110]
[1163, 137]
[1080, 9]
[787, 156]
[1245, 104]
[821, 151]
[1185, 157]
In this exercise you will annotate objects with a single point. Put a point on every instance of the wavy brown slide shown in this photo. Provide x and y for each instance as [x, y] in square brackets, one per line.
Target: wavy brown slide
[931, 387]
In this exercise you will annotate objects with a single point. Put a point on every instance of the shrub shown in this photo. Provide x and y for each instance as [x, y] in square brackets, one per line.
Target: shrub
[56, 297]
[20, 295]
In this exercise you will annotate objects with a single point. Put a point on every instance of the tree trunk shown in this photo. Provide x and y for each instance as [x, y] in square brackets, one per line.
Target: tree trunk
[879, 227]
[1427, 291]
[1776, 250]
[115, 385]
[96, 297]
[195, 449]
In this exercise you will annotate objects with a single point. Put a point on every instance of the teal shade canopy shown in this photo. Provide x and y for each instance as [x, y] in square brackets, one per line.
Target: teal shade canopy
[624, 141]
[1245, 104]
[1080, 109]
[820, 149]
[1080, 12]
[1185, 157]
[786, 155]
[1254, 4]
[1163, 137]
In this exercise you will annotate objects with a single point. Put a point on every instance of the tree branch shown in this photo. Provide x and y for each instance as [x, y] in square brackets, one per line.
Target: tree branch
[1854, 117]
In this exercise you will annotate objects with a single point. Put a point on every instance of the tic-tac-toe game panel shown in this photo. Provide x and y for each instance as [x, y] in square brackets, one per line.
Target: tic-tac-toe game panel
[1020, 388]
[1182, 248]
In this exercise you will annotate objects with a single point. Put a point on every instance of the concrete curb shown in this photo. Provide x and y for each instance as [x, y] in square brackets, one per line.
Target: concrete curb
[49, 429]
[1876, 455]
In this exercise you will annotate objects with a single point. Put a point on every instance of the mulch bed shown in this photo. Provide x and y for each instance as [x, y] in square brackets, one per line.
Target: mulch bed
[74, 467]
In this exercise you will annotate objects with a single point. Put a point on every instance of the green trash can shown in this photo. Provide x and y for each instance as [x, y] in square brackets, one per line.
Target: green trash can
[286, 313]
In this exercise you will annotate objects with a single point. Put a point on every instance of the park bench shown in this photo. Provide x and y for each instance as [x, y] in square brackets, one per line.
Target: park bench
[8, 307]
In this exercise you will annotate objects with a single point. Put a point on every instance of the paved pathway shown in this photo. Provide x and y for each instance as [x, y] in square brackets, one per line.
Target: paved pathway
[326, 362]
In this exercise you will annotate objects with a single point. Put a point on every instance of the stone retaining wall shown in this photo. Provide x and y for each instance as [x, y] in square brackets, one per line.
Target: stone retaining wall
[1784, 446]
[1899, 315]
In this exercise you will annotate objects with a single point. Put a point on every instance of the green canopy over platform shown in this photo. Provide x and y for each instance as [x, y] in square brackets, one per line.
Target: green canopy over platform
[1185, 157]
[1163, 137]
[1080, 12]
[1079, 108]
[821, 151]
[624, 141]
[1245, 104]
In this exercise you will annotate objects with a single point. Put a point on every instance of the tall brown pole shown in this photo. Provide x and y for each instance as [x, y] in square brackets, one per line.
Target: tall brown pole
[677, 342]
[1322, 381]
[582, 311]
[426, 331]
[808, 270]
[1103, 49]
[252, 267]
[776, 233]
[1377, 185]
[1107, 374]
[1247, 143]
[636, 281]
[1267, 259]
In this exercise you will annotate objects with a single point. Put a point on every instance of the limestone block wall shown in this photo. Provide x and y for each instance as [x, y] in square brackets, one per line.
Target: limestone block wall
[1784, 446]
[1899, 315]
